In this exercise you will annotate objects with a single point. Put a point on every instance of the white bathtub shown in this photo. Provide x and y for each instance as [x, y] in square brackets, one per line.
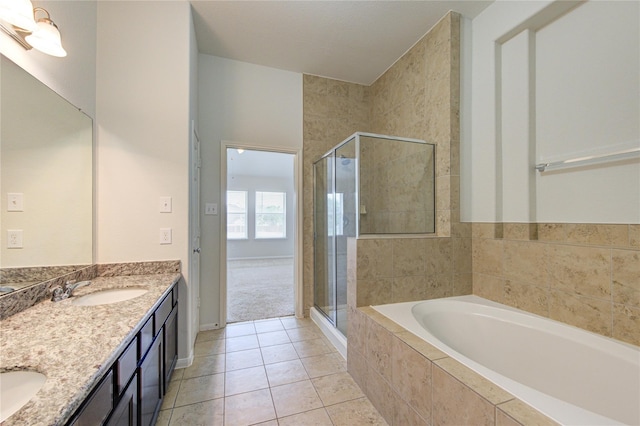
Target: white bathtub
[571, 375]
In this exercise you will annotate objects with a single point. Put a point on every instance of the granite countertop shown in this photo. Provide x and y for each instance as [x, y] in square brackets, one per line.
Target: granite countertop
[74, 345]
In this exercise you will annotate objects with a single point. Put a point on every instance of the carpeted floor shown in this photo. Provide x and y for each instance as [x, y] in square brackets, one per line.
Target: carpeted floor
[259, 289]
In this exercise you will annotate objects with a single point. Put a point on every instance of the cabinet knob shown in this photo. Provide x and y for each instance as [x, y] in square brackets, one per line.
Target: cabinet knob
[196, 250]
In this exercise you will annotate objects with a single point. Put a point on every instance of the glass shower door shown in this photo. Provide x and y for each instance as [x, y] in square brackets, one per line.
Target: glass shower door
[324, 235]
[345, 214]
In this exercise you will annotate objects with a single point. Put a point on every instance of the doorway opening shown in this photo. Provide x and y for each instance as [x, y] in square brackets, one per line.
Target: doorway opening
[260, 230]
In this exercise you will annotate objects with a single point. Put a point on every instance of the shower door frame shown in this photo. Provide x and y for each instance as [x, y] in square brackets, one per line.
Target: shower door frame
[332, 153]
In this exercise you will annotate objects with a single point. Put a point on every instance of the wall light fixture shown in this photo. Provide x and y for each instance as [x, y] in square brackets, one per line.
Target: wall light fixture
[42, 34]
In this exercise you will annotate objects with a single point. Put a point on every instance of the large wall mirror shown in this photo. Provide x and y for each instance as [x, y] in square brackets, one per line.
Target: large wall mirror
[46, 181]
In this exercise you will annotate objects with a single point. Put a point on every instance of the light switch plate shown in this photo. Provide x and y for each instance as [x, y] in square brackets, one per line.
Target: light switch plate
[211, 209]
[15, 202]
[165, 204]
[14, 238]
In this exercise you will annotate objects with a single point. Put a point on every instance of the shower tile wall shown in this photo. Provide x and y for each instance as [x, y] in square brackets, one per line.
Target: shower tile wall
[332, 111]
[586, 275]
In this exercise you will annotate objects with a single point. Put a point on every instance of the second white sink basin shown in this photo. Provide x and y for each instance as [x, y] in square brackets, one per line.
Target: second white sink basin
[105, 297]
[16, 389]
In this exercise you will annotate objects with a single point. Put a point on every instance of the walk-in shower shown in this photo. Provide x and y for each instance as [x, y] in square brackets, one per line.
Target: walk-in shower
[366, 186]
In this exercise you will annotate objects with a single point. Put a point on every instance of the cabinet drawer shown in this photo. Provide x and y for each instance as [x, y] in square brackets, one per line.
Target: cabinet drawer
[126, 366]
[163, 311]
[146, 336]
[100, 404]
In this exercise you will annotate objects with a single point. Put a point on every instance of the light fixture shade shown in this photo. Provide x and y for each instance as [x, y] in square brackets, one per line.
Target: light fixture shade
[46, 38]
[18, 13]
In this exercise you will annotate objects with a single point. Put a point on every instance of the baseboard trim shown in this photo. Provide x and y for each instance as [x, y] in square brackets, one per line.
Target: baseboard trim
[206, 327]
[185, 362]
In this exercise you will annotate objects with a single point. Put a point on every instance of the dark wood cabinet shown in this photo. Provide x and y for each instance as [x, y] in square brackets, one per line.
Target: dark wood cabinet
[131, 392]
[150, 379]
[170, 330]
[98, 405]
[126, 412]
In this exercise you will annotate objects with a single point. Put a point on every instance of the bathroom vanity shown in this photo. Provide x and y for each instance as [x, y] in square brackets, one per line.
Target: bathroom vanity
[107, 363]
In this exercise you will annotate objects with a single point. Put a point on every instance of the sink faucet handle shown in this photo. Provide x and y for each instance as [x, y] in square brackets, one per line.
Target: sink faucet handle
[58, 294]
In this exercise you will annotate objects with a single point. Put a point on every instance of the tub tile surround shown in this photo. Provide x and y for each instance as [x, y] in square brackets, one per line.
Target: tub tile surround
[410, 379]
[585, 275]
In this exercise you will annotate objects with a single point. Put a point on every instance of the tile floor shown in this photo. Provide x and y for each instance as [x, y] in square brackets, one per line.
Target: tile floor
[277, 372]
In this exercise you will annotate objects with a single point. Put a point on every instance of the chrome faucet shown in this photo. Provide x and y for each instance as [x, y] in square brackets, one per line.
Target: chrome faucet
[60, 293]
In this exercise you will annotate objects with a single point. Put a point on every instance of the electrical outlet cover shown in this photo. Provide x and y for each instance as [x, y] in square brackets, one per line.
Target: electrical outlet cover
[165, 235]
[14, 238]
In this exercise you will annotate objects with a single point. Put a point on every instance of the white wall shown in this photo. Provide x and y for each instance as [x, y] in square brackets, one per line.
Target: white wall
[143, 108]
[73, 77]
[253, 248]
[247, 104]
[552, 81]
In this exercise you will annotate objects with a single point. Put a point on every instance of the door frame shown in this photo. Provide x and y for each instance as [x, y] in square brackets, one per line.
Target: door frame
[298, 287]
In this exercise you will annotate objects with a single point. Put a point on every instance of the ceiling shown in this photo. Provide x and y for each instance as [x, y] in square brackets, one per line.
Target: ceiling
[355, 41]
[258, 164]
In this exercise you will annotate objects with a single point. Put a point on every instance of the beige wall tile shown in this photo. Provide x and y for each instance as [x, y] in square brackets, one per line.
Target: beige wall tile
[552, 232]
[381, 395]
[411, 377]
[527, 297]
[483, 230]
[488, 256]
[525, 261]
[626, 277]
[462, 284]
[503, 419]
[406, 289]
[626, 324]
[584, 312]
[357, 367]
[374, 292]
[409, 257]
[462, 258]
[489, 287]
[580, 270]
[634, 235]
[420, 345]
[356, 329]
[375, 258]
[455, 404]
[516, 231]
[486, 389]
[378, 349]
[521, 413]
[609, 235]
[405, 415]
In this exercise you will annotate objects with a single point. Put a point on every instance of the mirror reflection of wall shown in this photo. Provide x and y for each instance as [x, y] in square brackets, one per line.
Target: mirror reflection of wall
[47, 165]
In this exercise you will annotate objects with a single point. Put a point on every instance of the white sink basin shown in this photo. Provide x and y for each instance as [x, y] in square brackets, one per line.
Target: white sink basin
[16, 389]
[105, 297]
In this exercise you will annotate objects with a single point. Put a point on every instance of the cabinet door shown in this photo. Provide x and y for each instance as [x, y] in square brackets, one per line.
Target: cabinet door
[126, 412]
[99, 405]
[150, 379]
[170, 346]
